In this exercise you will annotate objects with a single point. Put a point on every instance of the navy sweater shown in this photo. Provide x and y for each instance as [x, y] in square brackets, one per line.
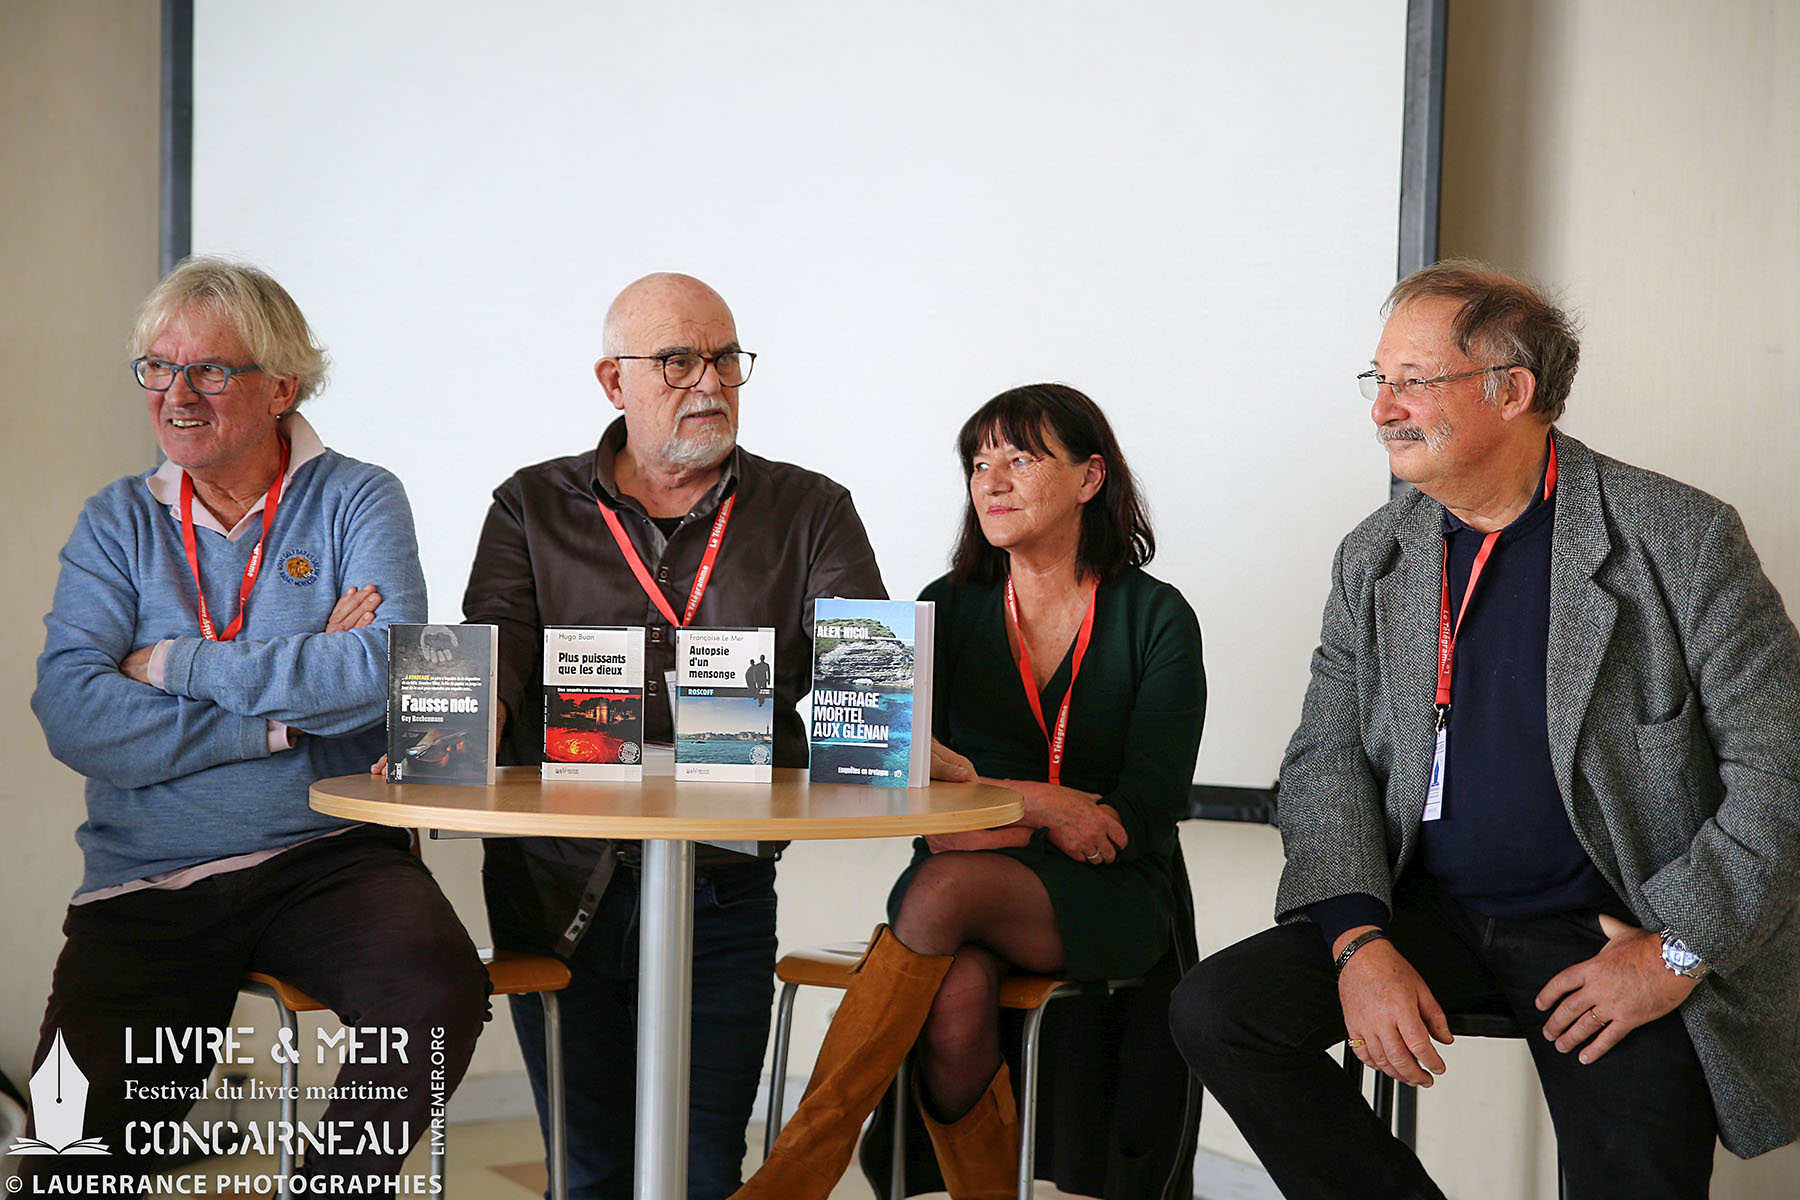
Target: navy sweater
[1503, 846]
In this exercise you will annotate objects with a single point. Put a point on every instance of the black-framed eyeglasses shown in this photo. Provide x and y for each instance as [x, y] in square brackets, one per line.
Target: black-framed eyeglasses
[207, 378]
[683, 370]
[1371, 383]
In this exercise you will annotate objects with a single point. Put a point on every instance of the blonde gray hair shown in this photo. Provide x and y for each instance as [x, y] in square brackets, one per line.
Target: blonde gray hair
[260, 309]
[1503, 320]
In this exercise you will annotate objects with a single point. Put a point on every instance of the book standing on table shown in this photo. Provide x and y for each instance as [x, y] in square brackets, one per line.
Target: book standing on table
[725, 704]
[593, 702]
[871, 697]
[440, 711]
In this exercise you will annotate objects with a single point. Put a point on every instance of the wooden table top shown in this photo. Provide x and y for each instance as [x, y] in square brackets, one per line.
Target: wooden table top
[790, 809]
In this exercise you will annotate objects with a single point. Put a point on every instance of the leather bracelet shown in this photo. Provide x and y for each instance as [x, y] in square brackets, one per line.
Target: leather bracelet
[1357, 943]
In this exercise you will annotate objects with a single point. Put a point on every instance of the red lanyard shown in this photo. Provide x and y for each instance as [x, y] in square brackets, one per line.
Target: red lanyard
[701, 577]
[1031, 689]
[254, 567]
[1446, 631]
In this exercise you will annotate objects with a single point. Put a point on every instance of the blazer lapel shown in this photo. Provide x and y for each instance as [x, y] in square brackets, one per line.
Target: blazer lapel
[1406, 629]
[1582, 613]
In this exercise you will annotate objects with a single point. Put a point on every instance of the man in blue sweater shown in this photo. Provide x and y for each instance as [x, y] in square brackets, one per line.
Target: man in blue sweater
[213, 650]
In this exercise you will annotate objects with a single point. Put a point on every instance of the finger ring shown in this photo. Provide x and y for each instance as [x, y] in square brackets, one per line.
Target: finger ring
[1356, 1043]
[1094, 857]
[1602, 1020]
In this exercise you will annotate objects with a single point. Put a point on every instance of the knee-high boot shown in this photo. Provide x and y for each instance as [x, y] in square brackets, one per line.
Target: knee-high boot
[979, 1152]
[876, 1024]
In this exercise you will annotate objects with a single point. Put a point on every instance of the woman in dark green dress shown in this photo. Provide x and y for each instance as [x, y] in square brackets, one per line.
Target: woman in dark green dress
[1067, 674]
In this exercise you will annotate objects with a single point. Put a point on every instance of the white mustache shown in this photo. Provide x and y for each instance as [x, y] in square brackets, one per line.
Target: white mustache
[699, 404]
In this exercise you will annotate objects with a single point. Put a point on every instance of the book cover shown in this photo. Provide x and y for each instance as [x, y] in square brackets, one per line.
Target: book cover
[725, 704]
[440, 709]
[871, 692]
[593, 702]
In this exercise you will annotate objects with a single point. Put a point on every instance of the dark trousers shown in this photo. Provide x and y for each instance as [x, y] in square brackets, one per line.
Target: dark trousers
[734, 989]
[1256, 1021]
[354, 920]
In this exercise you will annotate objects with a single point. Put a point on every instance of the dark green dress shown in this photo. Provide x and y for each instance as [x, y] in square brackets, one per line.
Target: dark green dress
[1134, 733]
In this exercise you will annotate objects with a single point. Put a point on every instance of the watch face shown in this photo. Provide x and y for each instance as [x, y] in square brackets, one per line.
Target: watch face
[1678, 956]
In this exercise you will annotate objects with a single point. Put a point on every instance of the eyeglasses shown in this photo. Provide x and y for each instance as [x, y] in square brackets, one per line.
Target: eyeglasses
[208, 379]
[1411, 389]
[684, 370]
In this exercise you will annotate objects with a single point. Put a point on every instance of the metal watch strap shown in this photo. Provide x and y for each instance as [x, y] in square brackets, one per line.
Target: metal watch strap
[1357, 943]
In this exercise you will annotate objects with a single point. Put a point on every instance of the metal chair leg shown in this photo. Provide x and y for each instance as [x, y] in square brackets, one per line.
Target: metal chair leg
[784, 1025]
[1384, 1099]
[559, 1113]
[1027, 1097]
[438, 1147]
[290, 1099]
[1406, 1115]
[897, 1167]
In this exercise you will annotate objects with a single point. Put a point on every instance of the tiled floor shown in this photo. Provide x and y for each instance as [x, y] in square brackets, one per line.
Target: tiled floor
[501, 1160]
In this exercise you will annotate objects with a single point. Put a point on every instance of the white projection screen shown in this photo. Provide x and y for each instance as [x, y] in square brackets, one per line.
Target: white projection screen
[1189, 210]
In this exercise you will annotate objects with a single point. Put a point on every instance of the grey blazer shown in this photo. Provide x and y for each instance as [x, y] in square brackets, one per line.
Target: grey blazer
[1674, 717]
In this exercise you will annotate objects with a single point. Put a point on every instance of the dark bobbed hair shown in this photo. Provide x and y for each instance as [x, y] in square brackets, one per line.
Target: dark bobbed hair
[1115, 529]
[1504, 320]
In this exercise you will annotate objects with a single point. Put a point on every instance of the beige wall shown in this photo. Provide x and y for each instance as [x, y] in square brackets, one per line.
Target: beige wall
[78, 237]
[1643, 156]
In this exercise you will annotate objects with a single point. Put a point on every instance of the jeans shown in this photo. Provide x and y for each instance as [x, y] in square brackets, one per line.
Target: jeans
[1255, 1022]
[353, 919]
[734, 990]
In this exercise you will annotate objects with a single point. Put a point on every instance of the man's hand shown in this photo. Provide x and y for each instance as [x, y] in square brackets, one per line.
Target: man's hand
[1080, 826]
[136, 665]
[947, 764]
[1389, 1009]
[979, 839]
[354, 609]
[1601, 999]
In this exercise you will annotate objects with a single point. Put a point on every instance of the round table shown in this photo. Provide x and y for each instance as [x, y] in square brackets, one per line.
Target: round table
[669, 816]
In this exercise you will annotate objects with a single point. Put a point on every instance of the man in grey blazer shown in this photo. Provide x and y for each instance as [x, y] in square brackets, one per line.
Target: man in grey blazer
[1548, 765]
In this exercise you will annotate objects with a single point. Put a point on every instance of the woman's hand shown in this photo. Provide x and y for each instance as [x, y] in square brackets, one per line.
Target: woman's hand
[948, 765]
[1080, 826]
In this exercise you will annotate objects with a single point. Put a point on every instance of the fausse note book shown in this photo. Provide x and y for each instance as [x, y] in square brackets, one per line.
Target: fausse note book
[440, 709]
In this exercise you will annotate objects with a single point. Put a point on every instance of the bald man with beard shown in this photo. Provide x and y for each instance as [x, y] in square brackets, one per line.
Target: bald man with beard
[666, 478]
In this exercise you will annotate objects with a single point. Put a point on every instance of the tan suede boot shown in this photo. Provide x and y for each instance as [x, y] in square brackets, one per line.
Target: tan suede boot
[979, 1152]
[877, 1023]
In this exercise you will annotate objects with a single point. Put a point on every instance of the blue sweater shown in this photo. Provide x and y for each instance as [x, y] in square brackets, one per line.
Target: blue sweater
[184, 776]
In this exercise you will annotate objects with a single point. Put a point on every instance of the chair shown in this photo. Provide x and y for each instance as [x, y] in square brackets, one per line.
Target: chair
[511, 974]
[1397, 1104]
[830, 966]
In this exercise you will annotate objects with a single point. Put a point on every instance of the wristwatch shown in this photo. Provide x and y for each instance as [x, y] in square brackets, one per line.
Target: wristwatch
[1679, 959]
